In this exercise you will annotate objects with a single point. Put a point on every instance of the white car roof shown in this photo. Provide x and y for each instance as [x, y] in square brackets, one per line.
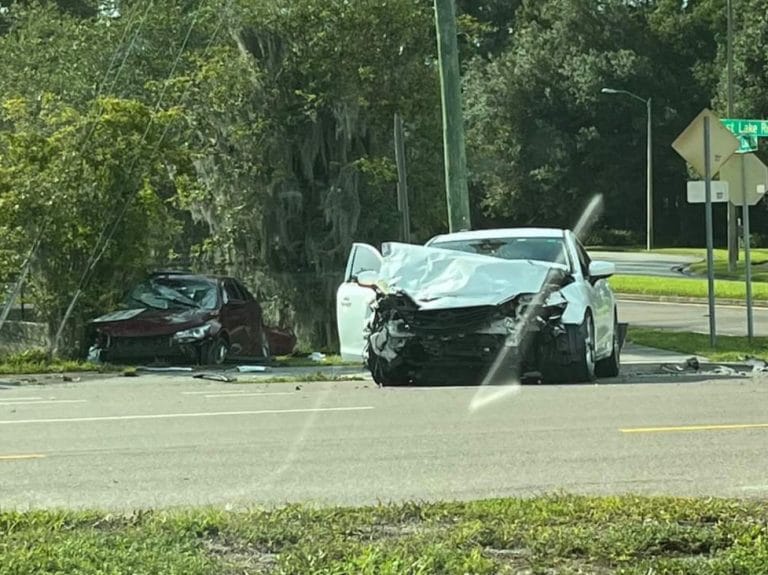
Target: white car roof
[499, 233]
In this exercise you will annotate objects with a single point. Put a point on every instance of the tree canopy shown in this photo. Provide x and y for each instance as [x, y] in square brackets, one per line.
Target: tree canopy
[256, 138]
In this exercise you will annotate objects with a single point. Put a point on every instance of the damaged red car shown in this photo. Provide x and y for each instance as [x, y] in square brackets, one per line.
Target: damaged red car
[182, 316]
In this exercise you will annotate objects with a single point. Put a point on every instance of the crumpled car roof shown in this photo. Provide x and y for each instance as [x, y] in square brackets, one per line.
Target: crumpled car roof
[436, 278]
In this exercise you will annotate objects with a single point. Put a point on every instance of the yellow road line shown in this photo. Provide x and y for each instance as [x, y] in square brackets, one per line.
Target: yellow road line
[21, 457]
[682, 428]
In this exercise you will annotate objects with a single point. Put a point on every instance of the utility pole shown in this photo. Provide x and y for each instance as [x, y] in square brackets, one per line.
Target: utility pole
[402, 181]
[733, 231]
[455, 158]
[649, 179]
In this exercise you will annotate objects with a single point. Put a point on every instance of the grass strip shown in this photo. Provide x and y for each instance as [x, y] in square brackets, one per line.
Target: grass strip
[729, 348]
[555, 534]
[685, 287]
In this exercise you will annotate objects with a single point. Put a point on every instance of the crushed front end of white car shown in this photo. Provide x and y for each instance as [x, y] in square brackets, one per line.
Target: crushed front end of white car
[441, 316]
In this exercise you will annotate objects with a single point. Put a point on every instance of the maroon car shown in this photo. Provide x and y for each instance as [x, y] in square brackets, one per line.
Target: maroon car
[178, 315]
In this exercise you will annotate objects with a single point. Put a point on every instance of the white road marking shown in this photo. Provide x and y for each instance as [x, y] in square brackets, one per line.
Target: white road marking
[227, 392]
[184, 415]
[755, 487]
[255, 394]
[21, 398]
[21, 457]
[36, 402]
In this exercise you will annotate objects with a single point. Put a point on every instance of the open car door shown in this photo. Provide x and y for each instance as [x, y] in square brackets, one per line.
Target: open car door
[353, 301]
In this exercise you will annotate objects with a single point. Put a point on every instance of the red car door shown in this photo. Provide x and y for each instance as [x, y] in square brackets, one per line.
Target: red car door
[256, 334]
[235, 318]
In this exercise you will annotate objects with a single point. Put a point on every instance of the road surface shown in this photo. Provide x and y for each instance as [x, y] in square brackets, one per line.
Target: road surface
[646, 264]
[730, 320]
[162, 441]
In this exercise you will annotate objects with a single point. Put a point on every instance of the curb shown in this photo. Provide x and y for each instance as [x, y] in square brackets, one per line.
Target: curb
[692, 300]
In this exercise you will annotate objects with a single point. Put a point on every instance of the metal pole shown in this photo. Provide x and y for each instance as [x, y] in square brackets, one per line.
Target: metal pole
[402, 182]
[747, 251]
[649, 182]
[733, 232]
[708, 212]
[457, 194]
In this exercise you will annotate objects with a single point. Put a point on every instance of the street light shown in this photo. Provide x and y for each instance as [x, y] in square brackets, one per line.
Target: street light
[649, 166]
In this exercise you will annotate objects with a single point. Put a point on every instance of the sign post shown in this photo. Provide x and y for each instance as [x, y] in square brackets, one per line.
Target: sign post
[748, 176]
[747, 251]
[748, 132]
[708, 213]
[719, 145]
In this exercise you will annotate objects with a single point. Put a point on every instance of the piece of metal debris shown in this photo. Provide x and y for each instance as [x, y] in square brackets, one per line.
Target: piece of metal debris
[163, 369]
[215, 377]
[69, 378]
[252, 368]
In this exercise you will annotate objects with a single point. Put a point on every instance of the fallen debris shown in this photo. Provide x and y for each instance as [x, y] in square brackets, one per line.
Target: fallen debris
[252, 368]
[215, 377]
[163, 369]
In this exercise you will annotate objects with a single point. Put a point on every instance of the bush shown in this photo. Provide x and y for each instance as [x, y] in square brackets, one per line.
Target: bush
[613, 237]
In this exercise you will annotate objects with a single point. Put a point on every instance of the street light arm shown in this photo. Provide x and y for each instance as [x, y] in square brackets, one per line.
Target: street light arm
[626, 93]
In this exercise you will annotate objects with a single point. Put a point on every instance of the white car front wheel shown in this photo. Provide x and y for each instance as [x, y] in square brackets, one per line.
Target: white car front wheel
[583, 366]
[611, 365]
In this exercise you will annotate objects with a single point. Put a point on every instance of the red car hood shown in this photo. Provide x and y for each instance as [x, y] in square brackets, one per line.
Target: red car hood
[150, 322]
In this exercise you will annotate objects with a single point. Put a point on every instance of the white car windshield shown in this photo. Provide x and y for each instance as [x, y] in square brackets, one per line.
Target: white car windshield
[518, 248]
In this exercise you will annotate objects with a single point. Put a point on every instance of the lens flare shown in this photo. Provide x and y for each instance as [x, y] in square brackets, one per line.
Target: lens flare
[504, 378]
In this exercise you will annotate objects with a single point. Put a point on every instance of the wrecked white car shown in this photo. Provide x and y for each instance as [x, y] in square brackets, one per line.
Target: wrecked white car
[447, 311]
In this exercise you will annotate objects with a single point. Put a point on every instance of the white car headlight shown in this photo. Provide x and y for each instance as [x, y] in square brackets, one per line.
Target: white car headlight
[193, 334]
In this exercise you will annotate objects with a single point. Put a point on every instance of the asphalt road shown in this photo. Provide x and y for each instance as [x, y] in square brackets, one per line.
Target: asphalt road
[730, 320]
[647, 264]
[163, 441]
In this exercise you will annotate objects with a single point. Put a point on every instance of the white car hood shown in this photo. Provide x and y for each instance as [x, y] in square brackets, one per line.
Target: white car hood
[438, 278]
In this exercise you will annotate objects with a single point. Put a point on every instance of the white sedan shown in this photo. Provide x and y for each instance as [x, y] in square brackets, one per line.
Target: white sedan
[453, 308]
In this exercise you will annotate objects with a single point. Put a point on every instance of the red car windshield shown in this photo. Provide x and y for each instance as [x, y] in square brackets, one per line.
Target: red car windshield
[175, 293]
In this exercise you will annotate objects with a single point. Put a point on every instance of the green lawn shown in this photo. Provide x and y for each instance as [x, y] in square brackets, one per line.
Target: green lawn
[36, 362]
[293, 361]
[563, 535]
[729, 348]
[685, 287]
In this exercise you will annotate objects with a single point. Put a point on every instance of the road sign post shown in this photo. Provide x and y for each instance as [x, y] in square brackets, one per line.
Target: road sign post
[747, 252]
[710, 251]
[719, 146]
[748, 176]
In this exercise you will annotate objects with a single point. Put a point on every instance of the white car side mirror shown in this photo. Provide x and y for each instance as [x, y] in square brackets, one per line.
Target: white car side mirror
[601, 270]
[367, 278]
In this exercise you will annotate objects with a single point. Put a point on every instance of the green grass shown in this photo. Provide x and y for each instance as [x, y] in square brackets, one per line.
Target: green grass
[35, 362]
[759, 258]
[685, 287]
[729, 348]
[330, 360]
[556, 534]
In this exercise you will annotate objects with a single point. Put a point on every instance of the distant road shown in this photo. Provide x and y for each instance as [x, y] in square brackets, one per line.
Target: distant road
[730, 320]
[646, 264]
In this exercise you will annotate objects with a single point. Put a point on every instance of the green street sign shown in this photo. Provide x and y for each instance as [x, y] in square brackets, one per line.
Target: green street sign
[754, 128]
[747, 144]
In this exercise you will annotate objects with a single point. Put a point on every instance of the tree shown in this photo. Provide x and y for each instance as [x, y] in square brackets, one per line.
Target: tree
[46, 164]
